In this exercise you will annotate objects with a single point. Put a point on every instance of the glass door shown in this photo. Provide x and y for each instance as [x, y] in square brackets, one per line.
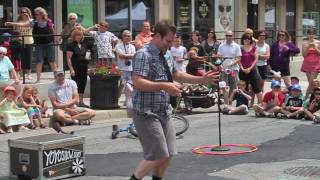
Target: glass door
[291, 18]
[6, 13]
[270, 20]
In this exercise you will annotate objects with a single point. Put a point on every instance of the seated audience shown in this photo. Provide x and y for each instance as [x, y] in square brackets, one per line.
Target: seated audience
[312, 111]
[294, 104]
[242, 99]
[63, 94]
[272, 101]
[11, 115]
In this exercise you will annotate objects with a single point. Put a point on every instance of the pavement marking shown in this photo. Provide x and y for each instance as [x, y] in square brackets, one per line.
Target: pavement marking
[270, 171]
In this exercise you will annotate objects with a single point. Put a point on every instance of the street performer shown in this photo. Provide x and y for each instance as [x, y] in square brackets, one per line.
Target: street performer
[153, 76]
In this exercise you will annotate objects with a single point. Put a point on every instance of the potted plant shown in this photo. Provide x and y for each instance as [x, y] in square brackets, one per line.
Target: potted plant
[104, 87]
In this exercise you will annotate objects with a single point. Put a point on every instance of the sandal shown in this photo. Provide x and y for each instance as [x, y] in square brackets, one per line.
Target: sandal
[31, 126]
[42, 126]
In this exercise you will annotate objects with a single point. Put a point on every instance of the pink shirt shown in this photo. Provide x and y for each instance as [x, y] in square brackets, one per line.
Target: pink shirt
[247, 58]
[142, 39]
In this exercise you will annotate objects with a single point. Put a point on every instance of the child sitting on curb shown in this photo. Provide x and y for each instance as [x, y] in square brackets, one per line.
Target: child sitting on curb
[40, 102]
[294, 105]
[10, 114]
[312, 112]
[272, 101]
[33, 110]
[242, 100]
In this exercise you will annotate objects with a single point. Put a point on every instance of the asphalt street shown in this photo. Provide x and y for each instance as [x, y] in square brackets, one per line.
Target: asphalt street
[283, 144]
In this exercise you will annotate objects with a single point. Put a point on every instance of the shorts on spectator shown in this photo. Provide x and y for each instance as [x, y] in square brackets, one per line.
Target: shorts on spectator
[263, 71]
[45, 50]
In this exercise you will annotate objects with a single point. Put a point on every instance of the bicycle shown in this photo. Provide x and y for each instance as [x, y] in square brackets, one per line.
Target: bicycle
[180, 123]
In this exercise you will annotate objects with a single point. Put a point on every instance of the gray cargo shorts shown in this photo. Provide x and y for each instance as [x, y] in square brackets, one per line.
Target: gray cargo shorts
[157, 135]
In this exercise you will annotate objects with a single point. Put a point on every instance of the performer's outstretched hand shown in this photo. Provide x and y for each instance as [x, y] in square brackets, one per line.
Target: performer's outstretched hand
[211, 77]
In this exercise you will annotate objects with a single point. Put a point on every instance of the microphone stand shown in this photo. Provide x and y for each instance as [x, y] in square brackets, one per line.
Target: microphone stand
[220, 147]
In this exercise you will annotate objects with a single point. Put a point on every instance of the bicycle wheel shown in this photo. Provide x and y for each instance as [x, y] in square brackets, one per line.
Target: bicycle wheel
[180, 123]
[133, 131]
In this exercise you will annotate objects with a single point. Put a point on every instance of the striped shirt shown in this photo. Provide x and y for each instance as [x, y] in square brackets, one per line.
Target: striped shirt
[148, 62]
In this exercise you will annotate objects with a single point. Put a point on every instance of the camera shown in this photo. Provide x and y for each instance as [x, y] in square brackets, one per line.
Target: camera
[228, 71]
[128, 63]
[218, 62]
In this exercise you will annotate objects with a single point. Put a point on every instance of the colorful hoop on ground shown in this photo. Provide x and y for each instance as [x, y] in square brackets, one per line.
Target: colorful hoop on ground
[204, 149]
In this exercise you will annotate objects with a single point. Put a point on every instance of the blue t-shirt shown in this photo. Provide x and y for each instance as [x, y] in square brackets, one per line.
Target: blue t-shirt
[5, 67]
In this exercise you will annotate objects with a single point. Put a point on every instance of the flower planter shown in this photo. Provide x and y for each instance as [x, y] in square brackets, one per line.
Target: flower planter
[104, 92]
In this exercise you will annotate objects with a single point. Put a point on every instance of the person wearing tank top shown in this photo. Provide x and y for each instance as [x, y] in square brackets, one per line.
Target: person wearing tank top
[25, 17]
[311, 59]
[263, 50]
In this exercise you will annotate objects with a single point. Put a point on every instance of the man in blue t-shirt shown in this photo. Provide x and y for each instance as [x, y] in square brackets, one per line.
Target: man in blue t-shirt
[63, 94]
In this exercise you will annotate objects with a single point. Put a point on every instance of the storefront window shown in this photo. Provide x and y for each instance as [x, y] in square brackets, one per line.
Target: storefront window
[270, 19]
[291, 18]
[311, 15]
[84, 9]
[117, 14]
[204, 16]
[142, 10]
[183, 22]
[32, 4]
[6, 13]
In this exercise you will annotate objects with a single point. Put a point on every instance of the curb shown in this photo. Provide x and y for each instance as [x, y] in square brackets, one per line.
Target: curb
[112, 115]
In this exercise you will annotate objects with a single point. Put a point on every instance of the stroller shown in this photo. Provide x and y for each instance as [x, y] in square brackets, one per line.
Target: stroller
[195, 96]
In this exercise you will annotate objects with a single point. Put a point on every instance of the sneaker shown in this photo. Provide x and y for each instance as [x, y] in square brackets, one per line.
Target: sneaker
[257, 114]
[84, 122]
[316, 119]
[76, 121]
[225, 110]
[9, 130]
[282, 116]
[259, 108]
[270, 115]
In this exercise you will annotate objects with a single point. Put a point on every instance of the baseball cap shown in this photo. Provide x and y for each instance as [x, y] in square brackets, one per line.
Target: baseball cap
[296, 87]
[6, 35]
[275, 83]
[58, 72]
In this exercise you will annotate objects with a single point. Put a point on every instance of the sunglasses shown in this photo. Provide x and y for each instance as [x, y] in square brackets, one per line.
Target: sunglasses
[72, 18]
[224, 8]
[228, 35]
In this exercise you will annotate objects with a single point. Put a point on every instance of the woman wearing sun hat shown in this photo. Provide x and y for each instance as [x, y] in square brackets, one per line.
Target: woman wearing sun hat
[10, 114]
